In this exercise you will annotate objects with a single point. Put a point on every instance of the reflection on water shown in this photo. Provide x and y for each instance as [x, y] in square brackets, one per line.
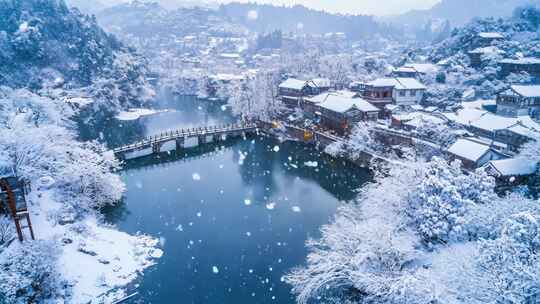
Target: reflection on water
[232, 218]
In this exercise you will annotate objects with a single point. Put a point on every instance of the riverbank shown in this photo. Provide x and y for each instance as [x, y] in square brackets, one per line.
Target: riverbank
[96, 259]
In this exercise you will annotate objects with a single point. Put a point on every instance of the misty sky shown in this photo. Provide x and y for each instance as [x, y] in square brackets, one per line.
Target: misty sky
[368, 7]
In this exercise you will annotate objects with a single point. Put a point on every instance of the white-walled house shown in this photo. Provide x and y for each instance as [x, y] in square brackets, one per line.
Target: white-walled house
[472, 153]
[519, 100]
[399, 91]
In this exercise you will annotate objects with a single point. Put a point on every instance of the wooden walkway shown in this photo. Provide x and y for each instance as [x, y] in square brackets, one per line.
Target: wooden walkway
[156, 142]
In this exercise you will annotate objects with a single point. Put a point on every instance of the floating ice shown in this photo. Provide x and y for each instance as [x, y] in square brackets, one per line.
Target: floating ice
[180, 228]
[196, 177]
[199, 214]
[296, 209]
[276, 149]
[270, 206]
[247, 202]
[312, 164]
[223, 108]
[215, 269]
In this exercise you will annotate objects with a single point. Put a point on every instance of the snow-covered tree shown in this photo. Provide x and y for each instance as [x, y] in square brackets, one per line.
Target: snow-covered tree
[36, 141]
[511, 263]
[255, 96]
[437, 206]
[29, 273]
[360, 140]
[361, 254]
[531, 150]
[7, 229]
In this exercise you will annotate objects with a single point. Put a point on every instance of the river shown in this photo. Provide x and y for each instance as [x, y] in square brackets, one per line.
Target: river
[232, 219]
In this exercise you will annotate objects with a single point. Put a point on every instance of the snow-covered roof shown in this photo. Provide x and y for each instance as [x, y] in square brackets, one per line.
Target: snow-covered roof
[467, 149]
[527, 90]
[487, 50]
[400, 83]
[513, 167]
[465, 116]
[490, 35]
[491, 122]
[341, 104]
[523, 131]
[423, 117]
[230, 55]
[294, 84]
[423, 68]
[527, 60]
[226, 77]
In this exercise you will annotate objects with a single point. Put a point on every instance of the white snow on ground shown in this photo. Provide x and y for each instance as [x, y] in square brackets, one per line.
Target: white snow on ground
[96, 258]
[134, 114]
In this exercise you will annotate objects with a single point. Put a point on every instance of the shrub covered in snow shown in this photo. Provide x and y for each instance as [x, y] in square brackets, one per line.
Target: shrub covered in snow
[28, 273]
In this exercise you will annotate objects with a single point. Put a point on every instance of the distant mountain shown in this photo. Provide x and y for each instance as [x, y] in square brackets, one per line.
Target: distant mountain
[151, 20]
[455, 12]
[43, 42]
[300, 19]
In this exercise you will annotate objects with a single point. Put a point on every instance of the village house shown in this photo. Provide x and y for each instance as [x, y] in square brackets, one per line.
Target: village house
[399, 91]
[529, 65]
[504, 133]
[292, 91]
[341, 110]
[415, 70]
[478, 55]
[472, 153]
[511, 171]
[519, 100]
[318, 85]
[487, 38]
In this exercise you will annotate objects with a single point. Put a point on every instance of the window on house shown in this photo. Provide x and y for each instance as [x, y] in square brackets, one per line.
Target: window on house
[402, 93]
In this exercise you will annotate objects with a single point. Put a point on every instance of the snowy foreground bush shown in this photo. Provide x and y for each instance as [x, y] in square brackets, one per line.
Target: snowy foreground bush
[426, 233]
[28, 273]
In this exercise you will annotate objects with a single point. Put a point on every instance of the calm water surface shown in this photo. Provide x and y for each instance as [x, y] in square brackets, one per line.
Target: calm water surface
[232, 218]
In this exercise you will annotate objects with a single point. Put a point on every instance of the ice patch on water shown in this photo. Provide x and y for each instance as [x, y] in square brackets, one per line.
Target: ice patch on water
[312, 164]
[296, 209]
[247, 202]
[276, 149]
[270, 206]
[215, 269]
[196, 177]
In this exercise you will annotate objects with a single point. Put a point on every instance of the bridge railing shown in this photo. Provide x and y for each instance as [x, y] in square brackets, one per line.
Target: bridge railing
[186, 132]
